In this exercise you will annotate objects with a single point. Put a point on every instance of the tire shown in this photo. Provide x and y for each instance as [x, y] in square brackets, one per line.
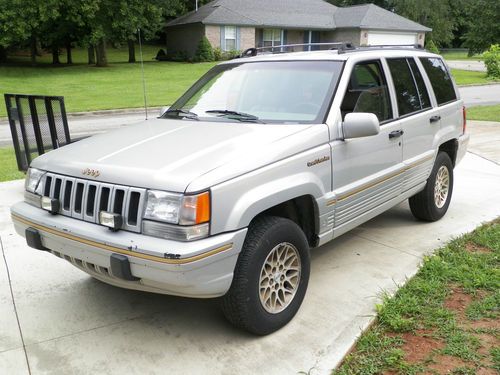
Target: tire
[424, 205]
[243, 305]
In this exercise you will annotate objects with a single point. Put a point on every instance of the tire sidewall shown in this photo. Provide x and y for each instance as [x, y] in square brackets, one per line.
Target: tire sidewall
[284, 231]
[442, 159]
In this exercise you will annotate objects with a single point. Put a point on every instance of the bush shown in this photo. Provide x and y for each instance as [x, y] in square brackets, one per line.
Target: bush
[229, 55]
[204, 52]
[431, 47]
[218, 54]
[492, 61]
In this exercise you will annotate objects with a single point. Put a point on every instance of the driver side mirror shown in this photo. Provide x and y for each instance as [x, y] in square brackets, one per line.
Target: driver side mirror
[358, 125]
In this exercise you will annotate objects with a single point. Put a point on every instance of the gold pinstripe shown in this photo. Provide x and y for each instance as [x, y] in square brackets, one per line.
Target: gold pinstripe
[120, 250]
[378, 182]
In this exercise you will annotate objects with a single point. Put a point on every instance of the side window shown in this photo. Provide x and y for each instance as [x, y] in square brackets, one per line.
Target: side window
[425, 102]
[440, 79]
[367, 92]
[406, 90]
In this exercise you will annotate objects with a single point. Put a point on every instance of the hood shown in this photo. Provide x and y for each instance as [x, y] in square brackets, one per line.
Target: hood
[171, 154]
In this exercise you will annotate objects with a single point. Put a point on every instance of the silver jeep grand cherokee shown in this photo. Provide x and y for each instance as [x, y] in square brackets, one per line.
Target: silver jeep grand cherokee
[262, 159]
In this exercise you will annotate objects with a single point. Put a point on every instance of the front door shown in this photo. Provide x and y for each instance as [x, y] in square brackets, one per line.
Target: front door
[367, 172]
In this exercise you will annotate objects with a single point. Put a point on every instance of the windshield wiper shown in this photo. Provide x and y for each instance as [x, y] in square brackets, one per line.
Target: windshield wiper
[241, 116]
[181, 113]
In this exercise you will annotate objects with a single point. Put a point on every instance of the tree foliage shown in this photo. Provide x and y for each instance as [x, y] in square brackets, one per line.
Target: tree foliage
[483, 25]
[471, 23]
[62, 24]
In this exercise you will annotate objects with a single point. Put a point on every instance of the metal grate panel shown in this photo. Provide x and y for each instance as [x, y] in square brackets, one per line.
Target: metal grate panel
[84, 199]
[38, 124]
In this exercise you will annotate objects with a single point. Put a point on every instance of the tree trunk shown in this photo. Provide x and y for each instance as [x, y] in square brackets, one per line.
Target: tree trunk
[55, 55]
[3, 54]
[131, 51]
[91, 54]
[33, 50]
[69, 56]
[102, 60]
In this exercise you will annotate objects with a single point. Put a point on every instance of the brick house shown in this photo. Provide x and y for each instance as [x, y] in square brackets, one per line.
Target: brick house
[241, 24]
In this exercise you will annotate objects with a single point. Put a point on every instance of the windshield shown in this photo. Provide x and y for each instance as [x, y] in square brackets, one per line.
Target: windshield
[263, 92]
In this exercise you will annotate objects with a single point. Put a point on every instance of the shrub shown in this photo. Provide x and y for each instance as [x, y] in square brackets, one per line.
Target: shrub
[431, 46]
[218, 54]
[205, 51]
[492, 61]
[229, 55]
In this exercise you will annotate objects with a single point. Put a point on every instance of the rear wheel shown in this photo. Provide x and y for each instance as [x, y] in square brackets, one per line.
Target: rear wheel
[432, 203]
[270, 278]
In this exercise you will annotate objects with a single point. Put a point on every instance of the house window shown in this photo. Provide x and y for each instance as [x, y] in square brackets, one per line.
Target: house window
[229, 42]
[271, 37]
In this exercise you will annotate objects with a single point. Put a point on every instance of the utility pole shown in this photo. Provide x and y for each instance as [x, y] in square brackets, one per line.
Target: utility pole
[196, 5]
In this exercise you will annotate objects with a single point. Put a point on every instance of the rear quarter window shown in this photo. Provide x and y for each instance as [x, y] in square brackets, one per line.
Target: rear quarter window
[440, 79]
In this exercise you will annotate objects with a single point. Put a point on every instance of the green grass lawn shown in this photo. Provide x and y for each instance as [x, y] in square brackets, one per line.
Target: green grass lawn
[444, 320]
[8, 165]
[484, 113]
[87, 88]
[467, 77]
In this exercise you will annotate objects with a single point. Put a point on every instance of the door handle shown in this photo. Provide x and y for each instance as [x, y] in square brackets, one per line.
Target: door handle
[434, 119]
[396, 134]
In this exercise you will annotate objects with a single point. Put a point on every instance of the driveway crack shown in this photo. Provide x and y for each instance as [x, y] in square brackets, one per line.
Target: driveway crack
[14, 304]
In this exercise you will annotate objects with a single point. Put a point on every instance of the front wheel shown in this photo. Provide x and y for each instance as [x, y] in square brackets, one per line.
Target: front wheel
[432, 203]
[271, 277]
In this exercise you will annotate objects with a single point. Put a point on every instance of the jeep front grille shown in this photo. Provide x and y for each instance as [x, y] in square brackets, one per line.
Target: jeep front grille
[84, 199]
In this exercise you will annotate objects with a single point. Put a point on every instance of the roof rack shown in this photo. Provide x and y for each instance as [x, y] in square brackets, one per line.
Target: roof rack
[341, 47]
[390, 46]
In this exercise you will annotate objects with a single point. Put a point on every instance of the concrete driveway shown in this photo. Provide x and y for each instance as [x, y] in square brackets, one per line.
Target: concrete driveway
[55, 319]
[472, 65]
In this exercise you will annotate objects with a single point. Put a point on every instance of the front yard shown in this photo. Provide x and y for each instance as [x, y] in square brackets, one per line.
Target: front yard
[87, 88]
[8, 165]
[484, 113]
[445, 320]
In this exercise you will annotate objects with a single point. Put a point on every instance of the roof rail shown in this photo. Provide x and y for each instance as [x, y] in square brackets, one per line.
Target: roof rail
[340, 46]
[390, 46]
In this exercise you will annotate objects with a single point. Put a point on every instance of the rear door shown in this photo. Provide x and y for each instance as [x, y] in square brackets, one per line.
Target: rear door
[419, 120]
[449, 107]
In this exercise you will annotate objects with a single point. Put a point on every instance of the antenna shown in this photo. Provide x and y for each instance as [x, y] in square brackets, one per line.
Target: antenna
[143, 78]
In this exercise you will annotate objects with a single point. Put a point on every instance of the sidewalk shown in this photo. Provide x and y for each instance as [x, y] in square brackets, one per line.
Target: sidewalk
[472, 65]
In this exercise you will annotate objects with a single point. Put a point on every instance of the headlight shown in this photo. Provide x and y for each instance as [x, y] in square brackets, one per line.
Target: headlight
[191, 213]
[177, 208]
[33, 178]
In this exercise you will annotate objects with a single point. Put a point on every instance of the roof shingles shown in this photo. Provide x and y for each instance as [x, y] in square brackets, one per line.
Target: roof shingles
[296, 14]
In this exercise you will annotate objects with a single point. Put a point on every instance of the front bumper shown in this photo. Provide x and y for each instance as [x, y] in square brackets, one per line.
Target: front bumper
[463, 142]
[200, 269]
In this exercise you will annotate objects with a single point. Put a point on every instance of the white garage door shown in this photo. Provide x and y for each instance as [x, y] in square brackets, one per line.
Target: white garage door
[388, 38]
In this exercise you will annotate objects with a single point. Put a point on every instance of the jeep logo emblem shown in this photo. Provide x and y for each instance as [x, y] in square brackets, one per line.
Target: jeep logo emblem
[91, 172]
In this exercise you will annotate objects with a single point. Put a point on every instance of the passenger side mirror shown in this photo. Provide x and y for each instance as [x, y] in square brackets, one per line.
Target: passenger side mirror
[163, 110]
[358, 125]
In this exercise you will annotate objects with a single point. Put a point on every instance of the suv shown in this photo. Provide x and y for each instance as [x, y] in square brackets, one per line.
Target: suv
[264, 158]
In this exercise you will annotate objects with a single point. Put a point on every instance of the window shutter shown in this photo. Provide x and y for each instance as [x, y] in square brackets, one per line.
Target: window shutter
[223, 38]
[238, 38]
[261, 38]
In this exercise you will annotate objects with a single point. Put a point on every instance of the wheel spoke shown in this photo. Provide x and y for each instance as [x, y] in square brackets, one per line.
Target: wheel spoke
[279, 278]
